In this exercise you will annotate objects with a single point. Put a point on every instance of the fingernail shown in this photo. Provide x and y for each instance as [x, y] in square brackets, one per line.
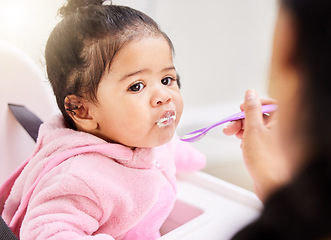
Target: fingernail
[250, 94]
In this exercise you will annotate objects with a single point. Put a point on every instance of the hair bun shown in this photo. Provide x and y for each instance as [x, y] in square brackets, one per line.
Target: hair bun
[73, 5]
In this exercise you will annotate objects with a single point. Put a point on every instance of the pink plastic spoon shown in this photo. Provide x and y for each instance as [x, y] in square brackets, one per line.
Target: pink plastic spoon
[198, 134]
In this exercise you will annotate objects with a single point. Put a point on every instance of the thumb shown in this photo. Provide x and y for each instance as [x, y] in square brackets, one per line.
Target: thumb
[253, 112]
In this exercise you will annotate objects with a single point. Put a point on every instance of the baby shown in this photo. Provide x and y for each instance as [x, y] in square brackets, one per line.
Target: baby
[105, 168]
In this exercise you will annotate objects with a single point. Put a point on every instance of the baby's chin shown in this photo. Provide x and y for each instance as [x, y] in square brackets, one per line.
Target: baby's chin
[157, 137]
[152, 142]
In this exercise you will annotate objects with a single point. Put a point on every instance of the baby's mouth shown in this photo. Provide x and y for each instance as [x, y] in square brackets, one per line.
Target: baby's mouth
[167, 118]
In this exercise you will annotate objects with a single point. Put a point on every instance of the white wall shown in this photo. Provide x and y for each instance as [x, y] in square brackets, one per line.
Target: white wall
[27, 24]
[222, 46]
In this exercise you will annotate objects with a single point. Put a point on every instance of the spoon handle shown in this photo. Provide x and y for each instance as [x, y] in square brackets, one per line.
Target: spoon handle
[241, 115]
[198, 134]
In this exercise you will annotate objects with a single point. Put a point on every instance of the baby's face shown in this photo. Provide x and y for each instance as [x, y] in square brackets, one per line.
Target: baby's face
[139, 102]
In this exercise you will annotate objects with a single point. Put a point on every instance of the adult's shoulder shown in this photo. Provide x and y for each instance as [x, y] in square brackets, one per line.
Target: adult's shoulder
[299, 210]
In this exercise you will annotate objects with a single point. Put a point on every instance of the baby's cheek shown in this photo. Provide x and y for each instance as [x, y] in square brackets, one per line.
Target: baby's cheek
[179, 105]
[137, 125]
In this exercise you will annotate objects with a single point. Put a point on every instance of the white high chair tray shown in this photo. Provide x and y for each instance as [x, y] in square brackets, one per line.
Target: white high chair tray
[209, 208]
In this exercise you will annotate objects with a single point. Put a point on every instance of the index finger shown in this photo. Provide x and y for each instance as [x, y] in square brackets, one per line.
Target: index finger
[252, 108]
[263, 101]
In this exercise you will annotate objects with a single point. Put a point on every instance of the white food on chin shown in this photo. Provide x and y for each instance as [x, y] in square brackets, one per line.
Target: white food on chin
[163, 122]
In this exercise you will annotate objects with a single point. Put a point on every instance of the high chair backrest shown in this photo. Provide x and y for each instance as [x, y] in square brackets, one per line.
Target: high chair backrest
[22, 82]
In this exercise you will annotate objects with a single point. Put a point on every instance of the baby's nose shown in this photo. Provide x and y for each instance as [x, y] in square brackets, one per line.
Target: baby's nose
[160, 98]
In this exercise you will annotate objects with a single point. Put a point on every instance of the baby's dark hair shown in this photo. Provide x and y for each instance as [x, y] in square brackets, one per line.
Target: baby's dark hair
[82, 46]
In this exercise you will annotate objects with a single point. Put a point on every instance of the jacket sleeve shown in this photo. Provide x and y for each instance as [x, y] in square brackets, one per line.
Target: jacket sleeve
[187, 158]
[64, 207]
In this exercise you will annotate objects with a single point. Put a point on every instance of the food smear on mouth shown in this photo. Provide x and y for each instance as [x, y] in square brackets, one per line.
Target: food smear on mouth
[166, 121]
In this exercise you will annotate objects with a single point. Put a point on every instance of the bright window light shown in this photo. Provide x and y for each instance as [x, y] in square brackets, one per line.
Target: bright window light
[13, 16]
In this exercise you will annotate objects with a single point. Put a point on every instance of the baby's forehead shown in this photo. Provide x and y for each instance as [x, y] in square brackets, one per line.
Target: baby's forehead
[147, 52]
[146, 39]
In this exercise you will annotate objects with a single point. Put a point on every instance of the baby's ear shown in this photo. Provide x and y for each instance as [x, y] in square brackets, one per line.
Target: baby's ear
[79, 111]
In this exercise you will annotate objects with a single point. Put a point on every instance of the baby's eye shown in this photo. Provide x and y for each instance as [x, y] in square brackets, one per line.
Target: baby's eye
[137, 87]
[168, 81]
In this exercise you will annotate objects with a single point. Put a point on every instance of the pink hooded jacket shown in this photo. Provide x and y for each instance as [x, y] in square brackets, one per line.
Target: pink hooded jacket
[107, 191]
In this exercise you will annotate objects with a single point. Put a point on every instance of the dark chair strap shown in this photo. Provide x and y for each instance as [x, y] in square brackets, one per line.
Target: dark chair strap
[27, 119]
[5, 232]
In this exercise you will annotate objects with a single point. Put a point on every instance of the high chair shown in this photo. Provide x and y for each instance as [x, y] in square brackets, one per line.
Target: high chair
[22, 82]
[206, 207]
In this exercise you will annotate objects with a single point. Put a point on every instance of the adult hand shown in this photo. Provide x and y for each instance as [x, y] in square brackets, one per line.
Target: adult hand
[261, 147]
